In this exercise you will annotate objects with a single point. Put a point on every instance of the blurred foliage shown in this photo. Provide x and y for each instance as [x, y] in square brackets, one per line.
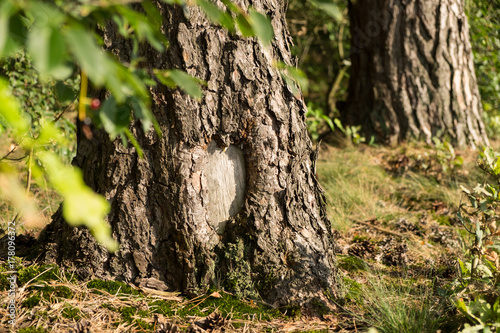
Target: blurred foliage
[44, 99]
[321, 45]
[484, 23]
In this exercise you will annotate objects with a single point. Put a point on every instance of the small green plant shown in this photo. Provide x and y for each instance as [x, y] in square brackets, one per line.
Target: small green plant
[317, 121]
[483, 313]
[480, 276]
[352, 132]
[478, 216]
[445, 155]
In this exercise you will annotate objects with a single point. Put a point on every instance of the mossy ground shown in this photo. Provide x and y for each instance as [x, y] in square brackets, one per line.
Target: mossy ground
[397, 240]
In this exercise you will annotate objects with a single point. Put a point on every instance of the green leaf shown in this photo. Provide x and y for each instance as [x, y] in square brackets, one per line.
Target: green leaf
[174, 77]
[479, 234]
[489, 156]
[81, 205]
[294, 73]
[463, 269]
[145, 28]
[261, 24]
[6, 11]
[115, 84]
[244, 26]
[90, 57]
[122, 82]
[464, 189]
[152, 14]
[10, 111]
[339, 125]
[479, 189]
[65, 94]
[115, 118]
[233, 7]
[216, 15]
[329, 121]
[300, 77]
[329, 7]
[460, 304]
[47, 47]
[136, 145]
[496, 167]
[290, 84]
[49, 134]
[458, 161]
[144, 114]
[16, 39]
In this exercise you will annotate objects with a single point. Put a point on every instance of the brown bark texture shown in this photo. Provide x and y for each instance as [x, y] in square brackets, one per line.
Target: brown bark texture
[412, 72]
[228, 195]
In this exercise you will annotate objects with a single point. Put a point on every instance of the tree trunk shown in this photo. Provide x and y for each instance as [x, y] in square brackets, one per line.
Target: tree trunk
[412, 72]
[229, 194]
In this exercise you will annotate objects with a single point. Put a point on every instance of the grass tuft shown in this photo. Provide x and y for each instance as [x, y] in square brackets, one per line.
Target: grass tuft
[397, 305]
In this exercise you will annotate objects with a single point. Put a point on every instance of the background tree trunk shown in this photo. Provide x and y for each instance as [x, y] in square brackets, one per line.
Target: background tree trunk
[229, 193]
[412, 72]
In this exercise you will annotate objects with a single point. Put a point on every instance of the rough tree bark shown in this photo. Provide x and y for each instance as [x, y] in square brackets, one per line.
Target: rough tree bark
[412, 72]
[228, 194]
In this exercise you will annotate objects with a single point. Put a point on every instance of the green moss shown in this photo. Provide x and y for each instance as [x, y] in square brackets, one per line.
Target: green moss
[48, 293]
[352, 263]
[41, 314]
[4, 283]
[112, 287]
[320, 307]
[354, 290]
[32, 330]
[36, 273]
[63, 292]
[31, 302]
[130, 314]
[443, 220]
[225, 305]
[72, 313]
[359, 239]
[238, 270]
[266, 283]
[166, 308]
[292, 311]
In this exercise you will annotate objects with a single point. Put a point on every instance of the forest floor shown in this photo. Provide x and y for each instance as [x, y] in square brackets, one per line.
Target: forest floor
[399, 242]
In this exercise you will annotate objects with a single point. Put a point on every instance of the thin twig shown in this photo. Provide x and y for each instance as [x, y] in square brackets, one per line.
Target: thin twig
[62, 112]
[28, 177]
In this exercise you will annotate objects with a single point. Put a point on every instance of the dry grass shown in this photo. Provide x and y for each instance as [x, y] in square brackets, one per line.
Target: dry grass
[53, 301]
[361, 184]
